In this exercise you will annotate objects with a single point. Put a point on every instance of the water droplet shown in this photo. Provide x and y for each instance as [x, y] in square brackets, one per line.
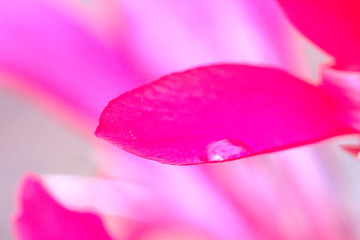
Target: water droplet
[227, 149]
[352, 149]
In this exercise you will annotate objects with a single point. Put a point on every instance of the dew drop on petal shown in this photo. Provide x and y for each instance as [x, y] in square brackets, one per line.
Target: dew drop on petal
[353, 150]
[227, 149]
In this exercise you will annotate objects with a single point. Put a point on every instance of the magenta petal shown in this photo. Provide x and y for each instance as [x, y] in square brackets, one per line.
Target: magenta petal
[332, 25]
[41, 217]
[217, 113]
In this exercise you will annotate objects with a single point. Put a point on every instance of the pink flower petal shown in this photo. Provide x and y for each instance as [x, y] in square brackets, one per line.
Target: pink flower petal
[332, 25]
[219, 113]
[41, 217]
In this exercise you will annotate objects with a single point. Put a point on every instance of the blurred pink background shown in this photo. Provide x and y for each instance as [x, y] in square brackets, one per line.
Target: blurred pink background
[36, 141]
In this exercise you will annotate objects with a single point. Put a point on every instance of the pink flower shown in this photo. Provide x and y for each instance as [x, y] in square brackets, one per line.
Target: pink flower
[230, 111]
[82, 67]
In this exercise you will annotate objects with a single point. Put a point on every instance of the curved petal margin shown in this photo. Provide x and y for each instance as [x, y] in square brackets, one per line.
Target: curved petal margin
[41, 217]
[332, 25]
[219, 113]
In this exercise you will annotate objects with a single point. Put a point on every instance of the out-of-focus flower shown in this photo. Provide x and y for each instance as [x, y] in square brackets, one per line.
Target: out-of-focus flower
[226, 112]
[48, 49]
[332, 25]
[59, 222]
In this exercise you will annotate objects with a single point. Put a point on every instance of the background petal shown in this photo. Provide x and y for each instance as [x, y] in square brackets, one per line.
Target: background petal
[220, 112]
[130, 208]
[332, 25]
[41, 217]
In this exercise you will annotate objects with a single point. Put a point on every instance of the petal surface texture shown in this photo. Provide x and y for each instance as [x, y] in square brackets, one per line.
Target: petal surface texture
[41, 217]
[219, 113]
[332, 25]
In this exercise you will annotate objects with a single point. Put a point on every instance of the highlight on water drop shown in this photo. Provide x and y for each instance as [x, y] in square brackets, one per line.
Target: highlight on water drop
[227, 149]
